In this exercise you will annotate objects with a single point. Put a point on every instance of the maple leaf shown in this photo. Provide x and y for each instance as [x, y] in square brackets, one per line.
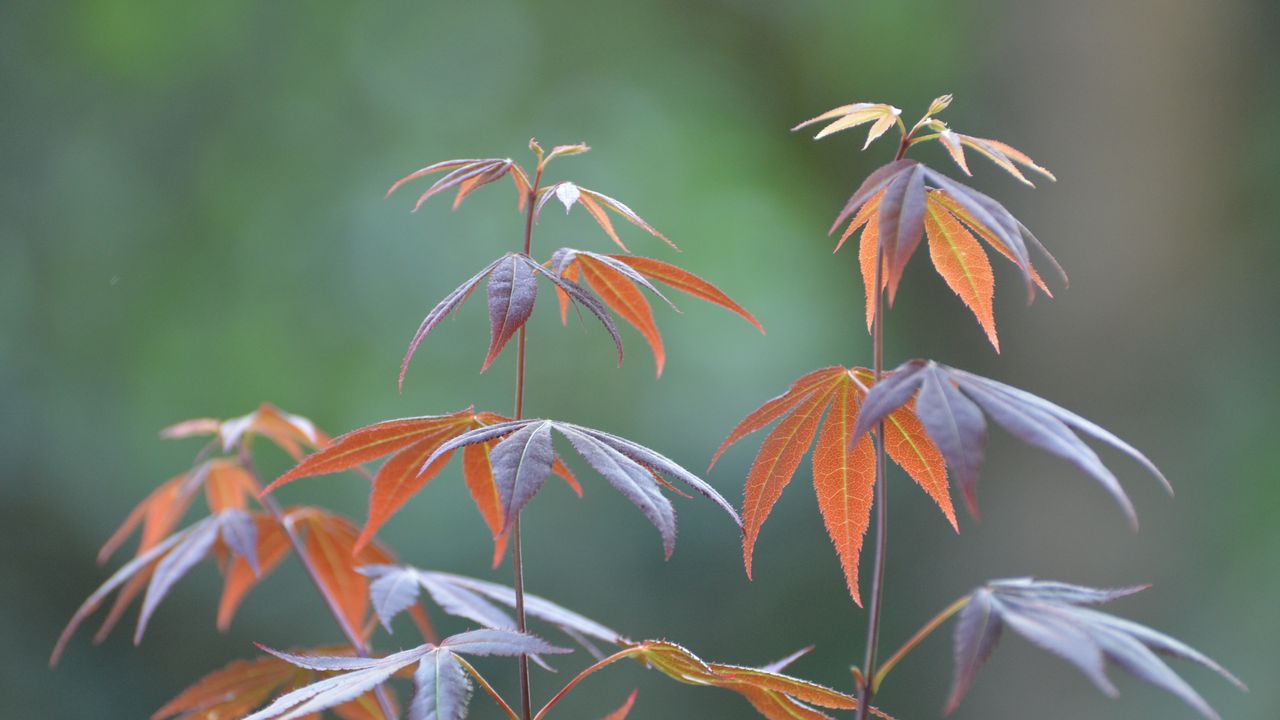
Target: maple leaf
[881, 116]
[442, 685]
[895, 210]
[595, 203]
[164, 564]
[512, 292]
[951, 404]
[843, 471]
[409, 442]
[1056, 617]
[774, 695]
[291, 432]
[524, 457]
[468, 176]
[618, 279]
[395, 588]
[244, 685]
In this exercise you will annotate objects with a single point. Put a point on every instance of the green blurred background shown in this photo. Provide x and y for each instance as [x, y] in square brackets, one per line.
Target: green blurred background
[192, 221]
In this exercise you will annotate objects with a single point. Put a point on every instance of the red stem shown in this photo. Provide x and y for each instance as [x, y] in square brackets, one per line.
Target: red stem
[867, 688]
[517, 557]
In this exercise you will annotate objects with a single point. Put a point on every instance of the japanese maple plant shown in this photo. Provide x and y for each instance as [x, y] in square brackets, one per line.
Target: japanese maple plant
[927, 417]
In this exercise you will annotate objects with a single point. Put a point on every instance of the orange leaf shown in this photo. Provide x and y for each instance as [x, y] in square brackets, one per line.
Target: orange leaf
[622, 712]
[330, 545]
[983, 232]
[625, 299]
[233, 691]
[776, 463]
[776, 408]
[227, 486]
[868, 248]
[369, 443]
[865, 214]
[400, 478]
[478, 474]
[843, 478]
[961, 261]
[571, 274]
[273, 547]
[686, 282]
[601, 218]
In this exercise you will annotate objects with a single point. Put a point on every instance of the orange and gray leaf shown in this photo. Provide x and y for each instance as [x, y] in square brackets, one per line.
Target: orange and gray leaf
[232, 691]
[989, 215]
[878, 180]
[584, 298]
[957, 428]
[360, 675]
[626, 212]
[685, 282]
[400, 478]
[776, 464]
[513, 289]
[442, 310]
[961, 262]
[273, 547]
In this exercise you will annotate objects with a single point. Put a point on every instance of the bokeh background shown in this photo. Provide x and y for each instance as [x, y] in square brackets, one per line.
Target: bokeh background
[192, 221]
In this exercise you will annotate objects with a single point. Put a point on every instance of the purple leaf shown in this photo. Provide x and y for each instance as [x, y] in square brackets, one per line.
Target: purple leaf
[366, 674]
[1071, 419]
[392, 592]
[1036, 427]
[513, 289]
[442, 688]
[875, 182]
[535, 606]
[892, 392]
[118, 578]
[902, 222]
[464, 603]
[956, 427]
[240, 533]
[629, 478]
[660, 463]
[521, 464]
[584, 298]
[977, 633]
[500, 642]
[440, 311]
[1056, 617]
[190, 550]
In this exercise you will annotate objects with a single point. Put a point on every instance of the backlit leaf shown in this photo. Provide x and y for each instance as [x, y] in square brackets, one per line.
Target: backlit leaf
[843, 478]
[272, 548]
[686, 282]
[960, 261]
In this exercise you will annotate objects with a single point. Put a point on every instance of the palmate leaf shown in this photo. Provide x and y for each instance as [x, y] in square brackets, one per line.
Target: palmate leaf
[896, 209]
[512, 292]
[395, 588]
[618, 280]
[595, 204]
[443, 688]
[292, 433]
[881, 116]
[245, 685]
[773, 695]
[468, 176]
[164, 564]
[523, 457]
[1057, 617]
[951, 405]
[409, 442]
[843, 472]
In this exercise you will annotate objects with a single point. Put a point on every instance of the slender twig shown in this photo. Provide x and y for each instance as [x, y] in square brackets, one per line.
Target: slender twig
[517, 558]
[623, 653]
[353, 636]
[867, 686]
[488, 689]
[925, 631]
